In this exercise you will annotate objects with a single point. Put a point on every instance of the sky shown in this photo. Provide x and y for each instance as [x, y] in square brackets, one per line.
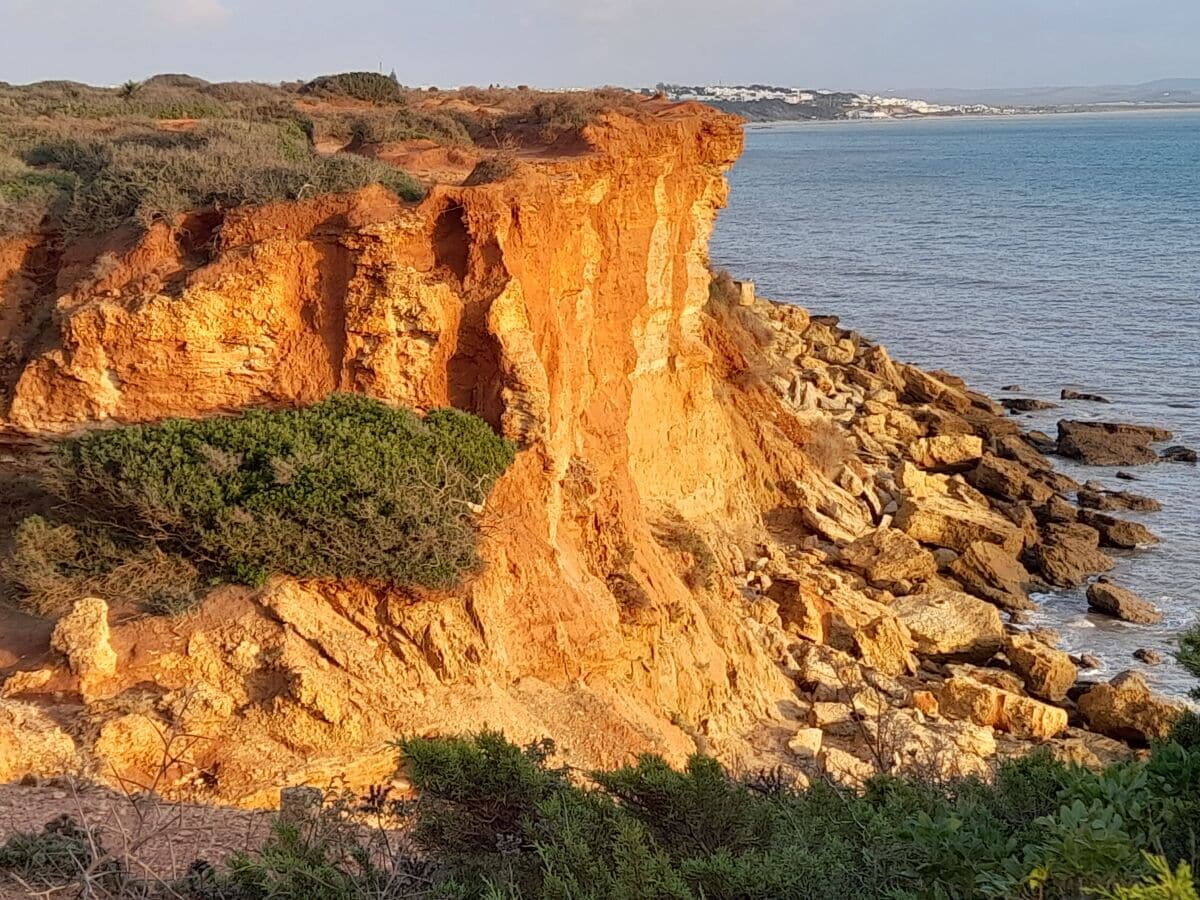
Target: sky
[875, 45]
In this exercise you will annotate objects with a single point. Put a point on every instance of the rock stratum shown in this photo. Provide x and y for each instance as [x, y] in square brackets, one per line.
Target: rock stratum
[730, 527]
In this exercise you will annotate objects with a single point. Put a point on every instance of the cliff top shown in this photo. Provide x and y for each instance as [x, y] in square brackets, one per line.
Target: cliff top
[86, 160]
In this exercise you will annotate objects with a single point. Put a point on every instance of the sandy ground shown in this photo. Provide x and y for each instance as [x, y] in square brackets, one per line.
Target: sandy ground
[157, 839]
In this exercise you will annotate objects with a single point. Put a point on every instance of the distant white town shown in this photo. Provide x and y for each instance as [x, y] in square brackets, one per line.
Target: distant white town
[814, 104]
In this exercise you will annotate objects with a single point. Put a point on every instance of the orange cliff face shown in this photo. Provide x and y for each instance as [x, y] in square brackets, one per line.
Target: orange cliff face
[563, 305]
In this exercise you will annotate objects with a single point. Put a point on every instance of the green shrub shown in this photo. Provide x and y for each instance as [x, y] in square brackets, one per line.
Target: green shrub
[141, 174]
[370, 87]
[349, 487]
[62, 850]
[1189, 653]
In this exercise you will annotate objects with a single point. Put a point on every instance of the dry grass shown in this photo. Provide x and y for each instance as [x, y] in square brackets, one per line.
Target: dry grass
[827, 447]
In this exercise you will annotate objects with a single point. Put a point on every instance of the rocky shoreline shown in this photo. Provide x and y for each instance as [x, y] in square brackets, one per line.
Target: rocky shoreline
[908, 603]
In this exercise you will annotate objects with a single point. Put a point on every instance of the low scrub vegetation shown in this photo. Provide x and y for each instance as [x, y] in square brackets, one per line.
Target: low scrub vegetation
[83, 160]
[347, 488]
[493, 820]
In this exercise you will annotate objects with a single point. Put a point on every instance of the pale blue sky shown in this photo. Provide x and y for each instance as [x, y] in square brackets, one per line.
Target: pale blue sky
[857, 44]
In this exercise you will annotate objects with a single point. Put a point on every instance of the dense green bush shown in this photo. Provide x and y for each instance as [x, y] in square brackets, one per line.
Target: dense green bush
[349, 487]
[370, 87]
[492, 820]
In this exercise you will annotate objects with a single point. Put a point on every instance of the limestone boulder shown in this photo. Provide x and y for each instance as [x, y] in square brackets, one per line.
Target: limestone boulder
[1119, 533]
[31, 743]
[1068, 554]
[947, 451]
[1113, 600]
[1048, 673]
[1007, 480]
[1101, 499]
[888, 556]
[986, 571]
[1109, 443]
[962, 697]
[83, 637]
[944, 521]
[951, 625]
[1126, 709]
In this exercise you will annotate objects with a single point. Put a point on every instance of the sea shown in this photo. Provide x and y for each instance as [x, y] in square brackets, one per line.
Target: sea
[1050, 252]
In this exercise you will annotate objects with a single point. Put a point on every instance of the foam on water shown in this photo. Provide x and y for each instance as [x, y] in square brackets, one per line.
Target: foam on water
[1051, 252]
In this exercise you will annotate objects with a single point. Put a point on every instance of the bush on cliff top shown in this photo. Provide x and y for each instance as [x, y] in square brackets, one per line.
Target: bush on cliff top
[348, 488]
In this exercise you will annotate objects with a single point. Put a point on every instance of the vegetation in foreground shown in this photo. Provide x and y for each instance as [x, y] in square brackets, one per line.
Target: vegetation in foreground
[84, 160]
[348, 488]
[496, 821]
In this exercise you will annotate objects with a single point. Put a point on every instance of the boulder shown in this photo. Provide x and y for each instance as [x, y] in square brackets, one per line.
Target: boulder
[926, 388]
[1149, 657]
[31, 743]
[1068, 394]
[1109, 443]
[986, 571]
[1126, 709]
[1113, 600]
[1020, 450]
[887, 556]
[886, 645]
[951, 625]
[947, 451]
[1091, 498]
[962, 697]
[1068, 554]
[806, 743]
[945, 521]
[1048, 673]
[1179, 453]
[1007, 480]
[1119, 533]
[1026, 404]
[1057, 509]
[82, 636]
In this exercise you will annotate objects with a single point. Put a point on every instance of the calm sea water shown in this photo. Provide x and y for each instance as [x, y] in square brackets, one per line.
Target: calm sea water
[1050, 252]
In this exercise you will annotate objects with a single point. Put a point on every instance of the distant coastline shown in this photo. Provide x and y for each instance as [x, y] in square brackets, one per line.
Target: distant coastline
[764, 124]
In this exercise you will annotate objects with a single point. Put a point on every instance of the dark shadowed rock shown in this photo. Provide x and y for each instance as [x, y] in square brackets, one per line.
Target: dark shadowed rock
[1120, 533]
[1042, 442]
[1068, 554]
[1026, 404]
[1068, 394]
[1127, 476]
[1109, 443]
[1178, 453]
[1090, 661]
[1011, 387]
[1019, 449]
[1113, 600]
[1056, 509]
[1149, 657]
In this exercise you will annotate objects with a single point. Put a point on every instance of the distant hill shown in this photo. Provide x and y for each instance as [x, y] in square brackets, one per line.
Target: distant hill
[1164, 90]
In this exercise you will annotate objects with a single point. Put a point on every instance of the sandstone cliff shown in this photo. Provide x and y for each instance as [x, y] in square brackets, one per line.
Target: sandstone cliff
[569, 306]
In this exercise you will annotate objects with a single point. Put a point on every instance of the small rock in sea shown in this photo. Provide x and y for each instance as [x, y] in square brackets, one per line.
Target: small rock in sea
[1026, 404]
[1068, 394]
[1090, 661]
[1020, 617]
[1011, 387]
[1149, 657]
[1179, 453]
[1127, 476]
[830, 321]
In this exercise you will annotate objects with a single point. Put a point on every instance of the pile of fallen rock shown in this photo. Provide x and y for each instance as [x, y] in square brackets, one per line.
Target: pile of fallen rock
[900, 605]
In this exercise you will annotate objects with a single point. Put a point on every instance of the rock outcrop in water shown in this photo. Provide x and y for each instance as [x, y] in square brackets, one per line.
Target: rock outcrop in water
[870, 522]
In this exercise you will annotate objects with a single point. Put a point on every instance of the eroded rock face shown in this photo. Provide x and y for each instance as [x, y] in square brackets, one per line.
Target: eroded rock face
[31, 743]
[83, 637]
[1127, 710]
